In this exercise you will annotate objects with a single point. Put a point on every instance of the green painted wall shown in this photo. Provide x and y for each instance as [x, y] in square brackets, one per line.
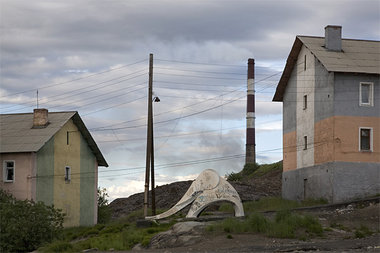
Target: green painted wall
[87, 185]
[45, 173]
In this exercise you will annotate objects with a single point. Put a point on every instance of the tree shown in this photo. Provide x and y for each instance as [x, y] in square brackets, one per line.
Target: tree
[104, 211]
[25, 224]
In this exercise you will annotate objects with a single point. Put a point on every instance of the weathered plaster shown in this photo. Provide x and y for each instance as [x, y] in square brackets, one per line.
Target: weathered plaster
[305, 116]
[67, 194]
[21, 186]
[334, 181]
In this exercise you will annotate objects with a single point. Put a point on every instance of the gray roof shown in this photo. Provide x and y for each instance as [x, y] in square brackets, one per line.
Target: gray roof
[357, 56]
[17, 134]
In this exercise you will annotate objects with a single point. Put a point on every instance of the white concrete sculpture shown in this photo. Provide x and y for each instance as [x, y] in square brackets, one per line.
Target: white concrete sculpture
[207, 189]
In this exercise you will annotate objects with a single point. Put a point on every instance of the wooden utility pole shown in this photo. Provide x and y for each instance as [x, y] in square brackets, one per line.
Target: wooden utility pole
[149, 140]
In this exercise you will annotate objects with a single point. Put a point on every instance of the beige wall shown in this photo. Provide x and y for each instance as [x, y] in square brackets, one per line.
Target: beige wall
[290, 151]
[346, 139]
[324, 138]
[67, 194]
[23, 186]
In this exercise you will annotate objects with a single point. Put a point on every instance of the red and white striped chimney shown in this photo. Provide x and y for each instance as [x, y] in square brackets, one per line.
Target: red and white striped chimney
[250, 146]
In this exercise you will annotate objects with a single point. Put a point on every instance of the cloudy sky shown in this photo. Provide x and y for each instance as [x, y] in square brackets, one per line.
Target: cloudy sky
[92, 57]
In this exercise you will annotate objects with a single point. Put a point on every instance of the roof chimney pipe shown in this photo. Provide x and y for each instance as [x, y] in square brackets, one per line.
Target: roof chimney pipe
[40, 118]
[333, 38]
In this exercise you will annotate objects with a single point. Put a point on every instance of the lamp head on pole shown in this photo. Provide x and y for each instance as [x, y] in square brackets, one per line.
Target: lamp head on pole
[156, 99]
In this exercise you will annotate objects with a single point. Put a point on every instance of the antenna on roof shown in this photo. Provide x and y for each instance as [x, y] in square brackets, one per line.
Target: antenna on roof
[37, 98]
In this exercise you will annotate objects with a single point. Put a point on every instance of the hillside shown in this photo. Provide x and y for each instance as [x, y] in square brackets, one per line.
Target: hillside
[251, 184]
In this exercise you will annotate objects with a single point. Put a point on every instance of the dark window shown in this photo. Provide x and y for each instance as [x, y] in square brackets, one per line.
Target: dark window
[9, 171]
[304, 102]
[67, 174]
[304, 63]
[305, 142]
[365, 139]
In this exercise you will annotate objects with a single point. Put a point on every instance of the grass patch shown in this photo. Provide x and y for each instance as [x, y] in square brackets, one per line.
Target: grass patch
[362, 232]
[254, 170]
[277, 203]
[285, 225]
[119, 235]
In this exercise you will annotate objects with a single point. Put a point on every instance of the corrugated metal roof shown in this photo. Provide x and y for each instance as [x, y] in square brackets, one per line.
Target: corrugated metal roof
[357, 56]
[17, 134]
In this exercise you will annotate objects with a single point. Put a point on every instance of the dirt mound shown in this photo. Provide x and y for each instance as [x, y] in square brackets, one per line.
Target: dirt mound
[168, 195]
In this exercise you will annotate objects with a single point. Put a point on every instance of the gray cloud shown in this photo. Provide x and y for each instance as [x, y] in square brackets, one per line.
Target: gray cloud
[52, 43]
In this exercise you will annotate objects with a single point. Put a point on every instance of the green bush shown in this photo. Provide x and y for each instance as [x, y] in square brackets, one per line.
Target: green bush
[234, 177]
[104, 211]
[25, 224]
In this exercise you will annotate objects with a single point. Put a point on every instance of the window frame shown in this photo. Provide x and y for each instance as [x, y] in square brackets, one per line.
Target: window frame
[370, 95]
[5, 171]
[370, 139]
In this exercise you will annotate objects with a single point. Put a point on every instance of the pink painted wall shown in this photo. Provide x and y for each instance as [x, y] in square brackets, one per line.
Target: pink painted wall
[24, 184]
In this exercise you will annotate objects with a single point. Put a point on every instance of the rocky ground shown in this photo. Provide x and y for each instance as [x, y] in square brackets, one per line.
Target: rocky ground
[168, 195]
[342, 222]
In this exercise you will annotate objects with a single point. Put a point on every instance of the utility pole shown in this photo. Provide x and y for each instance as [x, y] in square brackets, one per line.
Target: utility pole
[149, 143]
[250, 152]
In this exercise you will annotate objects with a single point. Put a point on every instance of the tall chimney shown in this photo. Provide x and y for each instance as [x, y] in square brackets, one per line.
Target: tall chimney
[40, 118]
[250, 149]
[333, 38]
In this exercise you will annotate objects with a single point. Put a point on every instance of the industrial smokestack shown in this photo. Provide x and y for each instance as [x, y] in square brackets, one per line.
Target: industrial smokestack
[250, 151]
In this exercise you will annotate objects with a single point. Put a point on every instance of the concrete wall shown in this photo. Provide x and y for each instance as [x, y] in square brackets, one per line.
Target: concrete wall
[346, 95]
[88, 185]
[23, 186]
[305, 117]
[289, 123]
[335, 181]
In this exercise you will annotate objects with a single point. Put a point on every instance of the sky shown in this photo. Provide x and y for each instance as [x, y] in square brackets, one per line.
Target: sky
[93, 57]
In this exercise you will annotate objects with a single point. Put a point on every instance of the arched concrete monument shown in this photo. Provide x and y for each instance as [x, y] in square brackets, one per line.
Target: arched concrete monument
[206, 189]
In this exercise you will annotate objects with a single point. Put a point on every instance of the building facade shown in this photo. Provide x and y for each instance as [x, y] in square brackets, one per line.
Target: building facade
[331, 118]
[51, 157]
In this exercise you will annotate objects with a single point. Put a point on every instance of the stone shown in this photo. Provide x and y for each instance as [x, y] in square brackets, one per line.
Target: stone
[181, 234]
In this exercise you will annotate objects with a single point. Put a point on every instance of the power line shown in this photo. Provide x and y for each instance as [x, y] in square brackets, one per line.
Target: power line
[76, 79]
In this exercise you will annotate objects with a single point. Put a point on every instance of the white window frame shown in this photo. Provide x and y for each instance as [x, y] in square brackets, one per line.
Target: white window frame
[371, 93]
[370, 139]
[5, 172]
[67, 174]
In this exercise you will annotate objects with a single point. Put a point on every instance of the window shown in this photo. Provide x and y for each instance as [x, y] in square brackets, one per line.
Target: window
[67, 174]
[366, 94]
[305, 142]
[365, 137]
[304, 102]
[9, 171]
[304, 64]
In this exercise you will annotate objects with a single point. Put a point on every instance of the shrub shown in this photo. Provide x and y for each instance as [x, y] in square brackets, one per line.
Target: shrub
[25, 224]
[234, 177]
[104, 211]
